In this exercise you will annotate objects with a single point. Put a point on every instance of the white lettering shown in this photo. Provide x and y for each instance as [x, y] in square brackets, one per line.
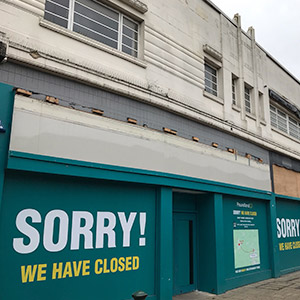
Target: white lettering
[53, 232]
[287, 227]
[126, 226]
[293, 228]
[29, 231]
[278, 228]
[283, 228]
[297, 221]
[101, 229]
[49, 230]
[84, 230]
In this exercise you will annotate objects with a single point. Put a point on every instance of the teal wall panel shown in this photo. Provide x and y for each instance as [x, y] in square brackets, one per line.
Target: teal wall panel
[52, 238]
[185, 202]
[182, 259]
[184, 251]
[164, 249]
[209, 261]
[207, 264]
[55, 165]
[247, 241]
[6, 109]
[220, 243]
[274, 251]
[288, 234]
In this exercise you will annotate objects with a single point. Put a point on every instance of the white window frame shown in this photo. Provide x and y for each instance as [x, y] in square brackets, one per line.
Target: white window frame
[261, 108]
[121, 35]
[210, 89]
[234, 87]
[284, 122]
[247, 98]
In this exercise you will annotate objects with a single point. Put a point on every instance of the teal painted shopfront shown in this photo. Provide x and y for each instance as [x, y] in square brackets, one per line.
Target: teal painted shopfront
[230, 236]
[72, 229]
[288, 234]
[74, 237]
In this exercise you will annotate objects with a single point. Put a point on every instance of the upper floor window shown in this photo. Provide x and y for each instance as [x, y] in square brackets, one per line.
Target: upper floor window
[261, 106]
[211, 79]
[247, 95]
[96, 21]
[284, 122]
[234, 89]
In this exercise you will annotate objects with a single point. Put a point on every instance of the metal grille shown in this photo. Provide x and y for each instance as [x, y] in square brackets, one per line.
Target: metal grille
[273, 116]
[233, 83]
[294, 128]
[284, 122]
[247, 99]
[129, 37]
[57, 11]
[211, 80]
[96, 21]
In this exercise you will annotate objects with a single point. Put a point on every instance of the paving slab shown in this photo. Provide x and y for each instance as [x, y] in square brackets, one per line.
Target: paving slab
[285, 287]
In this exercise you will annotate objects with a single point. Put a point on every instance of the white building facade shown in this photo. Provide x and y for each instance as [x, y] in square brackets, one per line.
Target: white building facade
[129, 127]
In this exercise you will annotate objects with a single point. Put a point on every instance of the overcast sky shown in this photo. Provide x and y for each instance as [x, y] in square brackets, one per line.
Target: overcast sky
[276, 24]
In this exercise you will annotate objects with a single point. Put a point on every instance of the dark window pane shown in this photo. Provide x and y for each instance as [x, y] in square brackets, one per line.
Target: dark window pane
[209, 76]
[280, 113]
[130, 24]
[130, 43]
[95, 36]
[211, 91]
[95, 27]
[56, 20]
[100, 8]
[130, 33]
[64, 3]
[129, 51]
[208, 83]
[57, 10]
[273, 120]
[210, 70]
[96, 16]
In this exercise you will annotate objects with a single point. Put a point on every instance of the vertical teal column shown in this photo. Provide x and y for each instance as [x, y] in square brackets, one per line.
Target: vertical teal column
[6, 109]
[219, 238]
[165, 244]
[273, 238]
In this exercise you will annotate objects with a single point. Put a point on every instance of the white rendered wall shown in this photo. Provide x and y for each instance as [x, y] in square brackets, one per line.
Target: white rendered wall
[170, 71]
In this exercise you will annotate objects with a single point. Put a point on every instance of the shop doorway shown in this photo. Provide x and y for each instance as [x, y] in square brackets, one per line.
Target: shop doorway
[184, 253]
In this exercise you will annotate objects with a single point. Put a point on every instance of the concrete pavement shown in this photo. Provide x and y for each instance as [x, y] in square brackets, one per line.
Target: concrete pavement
[285, 287]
